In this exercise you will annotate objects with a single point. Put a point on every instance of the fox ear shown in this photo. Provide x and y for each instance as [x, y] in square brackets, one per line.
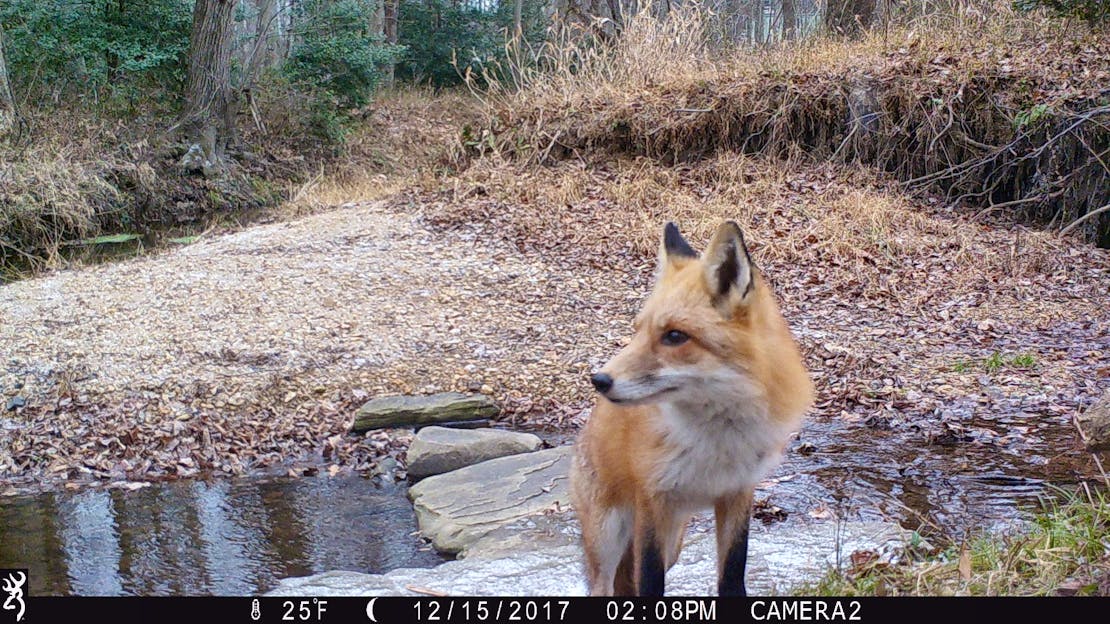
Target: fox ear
[674, 251]
[728, 266]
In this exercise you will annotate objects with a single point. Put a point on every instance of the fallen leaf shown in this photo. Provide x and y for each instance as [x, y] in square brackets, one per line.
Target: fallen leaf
[964, 565]
[820, 513]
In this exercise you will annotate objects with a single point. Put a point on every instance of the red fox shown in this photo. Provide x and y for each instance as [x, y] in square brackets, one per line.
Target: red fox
[696, 410]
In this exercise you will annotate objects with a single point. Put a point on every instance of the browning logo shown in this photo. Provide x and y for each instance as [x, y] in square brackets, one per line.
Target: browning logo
[12, 582]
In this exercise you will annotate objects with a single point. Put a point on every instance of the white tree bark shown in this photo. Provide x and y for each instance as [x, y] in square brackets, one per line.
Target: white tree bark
[262, 53]
[7, 100]
[266, 26]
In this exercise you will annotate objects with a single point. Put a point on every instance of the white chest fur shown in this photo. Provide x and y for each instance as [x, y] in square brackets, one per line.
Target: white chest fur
[713, 450]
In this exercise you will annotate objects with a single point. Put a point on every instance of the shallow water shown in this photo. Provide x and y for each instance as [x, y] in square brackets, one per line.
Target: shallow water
[994, 482]
[943, 490]
[236, 537]
[196, 538]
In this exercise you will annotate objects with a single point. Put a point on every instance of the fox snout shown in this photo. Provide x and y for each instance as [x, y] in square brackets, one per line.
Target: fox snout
[632, 389]
[602, 382]
[606, 386]
[635, 375]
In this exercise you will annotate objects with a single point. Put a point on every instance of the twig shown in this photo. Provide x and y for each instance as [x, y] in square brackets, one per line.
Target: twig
[1016, 202]
[1080, 220]
[32, 259]
[547, 152]
[1078, 120]
[254, 112]
[948, 126]
[426, 591]
[972, 142]
[744, 146]
[693, 110]
[1098, 156]
[851, 133]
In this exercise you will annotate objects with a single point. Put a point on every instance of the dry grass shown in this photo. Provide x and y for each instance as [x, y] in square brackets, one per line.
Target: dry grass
[993, 108]
[659, 72]
[83, 174]
[49, 191]
[885, 293]
[410, 134]
[885, 290]
[79, 172]
[587, 152]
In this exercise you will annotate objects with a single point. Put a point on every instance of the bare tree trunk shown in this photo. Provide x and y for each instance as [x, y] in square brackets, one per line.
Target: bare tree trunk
[285, 22]
[208, 120]
[789, 20]
[7, 100]
[263, 53]
[518, 14]
[757, 22]
[267, 30]
[602, 18]
[389, 25]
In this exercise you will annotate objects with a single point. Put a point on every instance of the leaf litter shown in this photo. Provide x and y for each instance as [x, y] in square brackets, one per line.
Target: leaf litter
[250, 352]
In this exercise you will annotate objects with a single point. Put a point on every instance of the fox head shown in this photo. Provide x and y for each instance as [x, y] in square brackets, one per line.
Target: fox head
[710, 330]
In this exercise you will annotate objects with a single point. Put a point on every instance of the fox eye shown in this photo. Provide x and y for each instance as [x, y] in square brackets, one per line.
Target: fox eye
[673, 338]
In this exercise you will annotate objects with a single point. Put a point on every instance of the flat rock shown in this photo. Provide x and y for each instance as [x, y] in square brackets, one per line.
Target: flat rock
[400, 411]
[547, 562]
[457, 508]
[436, 450]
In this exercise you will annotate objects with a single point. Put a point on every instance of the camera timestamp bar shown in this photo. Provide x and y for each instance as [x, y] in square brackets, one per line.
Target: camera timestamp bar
[446, 610]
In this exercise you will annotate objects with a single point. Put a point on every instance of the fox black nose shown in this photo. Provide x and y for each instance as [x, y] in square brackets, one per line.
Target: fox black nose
[602, 382]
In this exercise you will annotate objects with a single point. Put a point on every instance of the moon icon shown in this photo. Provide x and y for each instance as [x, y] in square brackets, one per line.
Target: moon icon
[370, 609]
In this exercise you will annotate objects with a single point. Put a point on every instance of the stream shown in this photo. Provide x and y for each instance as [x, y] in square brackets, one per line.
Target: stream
[207, 538]
[942, 490]
[238, 537]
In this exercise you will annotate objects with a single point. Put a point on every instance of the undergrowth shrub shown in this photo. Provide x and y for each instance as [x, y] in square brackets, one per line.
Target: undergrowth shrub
[47, 196]
[75, 46]
[442, 39]
[338, 59]
[1091, 11]
[1061, 552]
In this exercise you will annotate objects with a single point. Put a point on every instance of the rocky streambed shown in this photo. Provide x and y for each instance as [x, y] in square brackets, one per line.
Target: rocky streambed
[497, 500]
[507, 519]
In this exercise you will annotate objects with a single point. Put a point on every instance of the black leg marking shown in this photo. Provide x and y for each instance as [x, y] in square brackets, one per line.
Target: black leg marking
[651, 568]
[732, 573]
[624, 584]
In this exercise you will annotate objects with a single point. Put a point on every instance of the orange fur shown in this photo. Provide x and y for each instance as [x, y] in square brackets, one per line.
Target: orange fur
[687, 426]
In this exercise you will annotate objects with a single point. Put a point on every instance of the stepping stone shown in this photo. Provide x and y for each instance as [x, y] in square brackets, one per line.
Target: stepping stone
[436, 450]
[457, 508]
[402, 411]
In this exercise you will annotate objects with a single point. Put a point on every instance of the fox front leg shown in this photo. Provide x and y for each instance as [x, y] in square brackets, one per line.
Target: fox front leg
[733, 517]
[657, 537]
